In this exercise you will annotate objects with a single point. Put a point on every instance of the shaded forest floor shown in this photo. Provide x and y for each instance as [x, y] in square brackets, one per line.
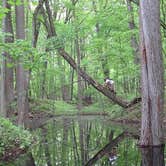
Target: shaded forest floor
[43, 110]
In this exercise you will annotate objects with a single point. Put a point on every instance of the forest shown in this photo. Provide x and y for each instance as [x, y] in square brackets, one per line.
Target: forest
[82, 82]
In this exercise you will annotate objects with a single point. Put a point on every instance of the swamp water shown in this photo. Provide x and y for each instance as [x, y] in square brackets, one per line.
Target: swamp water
[74, 140]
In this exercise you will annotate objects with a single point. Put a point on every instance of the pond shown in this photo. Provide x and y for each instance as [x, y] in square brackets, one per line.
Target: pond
[86, 141]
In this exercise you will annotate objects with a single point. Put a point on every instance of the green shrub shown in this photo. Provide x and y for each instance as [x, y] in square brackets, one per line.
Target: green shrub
[12, 137]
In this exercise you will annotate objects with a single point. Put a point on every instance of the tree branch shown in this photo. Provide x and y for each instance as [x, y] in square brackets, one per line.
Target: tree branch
[36, 23]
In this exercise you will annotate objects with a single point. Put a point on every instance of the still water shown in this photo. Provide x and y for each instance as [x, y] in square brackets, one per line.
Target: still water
[87, 141]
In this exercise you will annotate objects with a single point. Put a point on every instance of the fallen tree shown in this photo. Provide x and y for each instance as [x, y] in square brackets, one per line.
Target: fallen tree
[104, 90]
[49, 25]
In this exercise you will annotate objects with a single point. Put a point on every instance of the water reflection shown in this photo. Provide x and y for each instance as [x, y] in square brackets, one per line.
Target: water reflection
[152, 156]
[87, 141]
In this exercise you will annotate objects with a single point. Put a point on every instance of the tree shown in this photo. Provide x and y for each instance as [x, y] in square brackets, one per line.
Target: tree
[134, 43]
[2, 88]
[152, 73]
[7, 90]
[21, 74]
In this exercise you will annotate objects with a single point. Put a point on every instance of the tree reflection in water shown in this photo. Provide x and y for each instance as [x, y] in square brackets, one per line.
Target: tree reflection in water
[86, 140]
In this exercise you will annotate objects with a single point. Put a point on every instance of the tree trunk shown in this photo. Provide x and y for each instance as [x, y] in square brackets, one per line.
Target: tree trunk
[153, 156]
[103, 58]
[2, 88]
[82, 140]
[162, 23]
[64, 85]
[71, 83]
[7, 72]
[21, 74]
[43, 82]
[79, 80]
[152, 73]
[65, 149]
[134, 43]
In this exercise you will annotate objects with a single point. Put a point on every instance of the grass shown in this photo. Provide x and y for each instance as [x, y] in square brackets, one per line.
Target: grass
[104, 106]
[63, 108]
[52, 106]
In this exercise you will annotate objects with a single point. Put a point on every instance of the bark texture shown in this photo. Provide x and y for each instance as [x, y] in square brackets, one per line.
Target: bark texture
[21, 74]
[152, 73]
[9, 88]
[162, 23]
[7, 92]
[153, 156]
[2, 90]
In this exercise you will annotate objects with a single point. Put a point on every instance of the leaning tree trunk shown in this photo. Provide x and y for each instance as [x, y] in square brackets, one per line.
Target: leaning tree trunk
[49, 25]
[152, 73]
[21, 74]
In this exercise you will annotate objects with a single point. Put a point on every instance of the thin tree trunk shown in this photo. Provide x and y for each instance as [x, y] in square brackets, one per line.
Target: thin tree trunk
[71, 73]
[65, 151]
[43, 83]
[152, 74]
[64, 85]
[2, 92]
[79, 80]
[75, 144]
[104, 58]
[71, 82]
[134, 43]
[82, 141]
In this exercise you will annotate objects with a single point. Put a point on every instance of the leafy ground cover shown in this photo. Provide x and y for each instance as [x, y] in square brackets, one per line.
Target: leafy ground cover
[13, 140]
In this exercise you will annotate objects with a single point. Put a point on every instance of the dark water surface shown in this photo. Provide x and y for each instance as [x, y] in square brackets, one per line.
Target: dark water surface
[86, 141]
